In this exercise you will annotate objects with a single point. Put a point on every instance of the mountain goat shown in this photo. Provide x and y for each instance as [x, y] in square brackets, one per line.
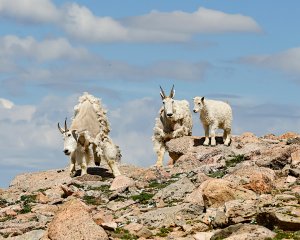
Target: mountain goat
[174, 121]
[87, 138]
[213, 115]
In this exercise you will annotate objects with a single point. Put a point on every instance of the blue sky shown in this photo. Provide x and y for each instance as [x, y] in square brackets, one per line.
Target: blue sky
[244, 52]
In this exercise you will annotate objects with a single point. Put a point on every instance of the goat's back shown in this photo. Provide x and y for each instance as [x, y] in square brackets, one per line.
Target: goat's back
[86, 119]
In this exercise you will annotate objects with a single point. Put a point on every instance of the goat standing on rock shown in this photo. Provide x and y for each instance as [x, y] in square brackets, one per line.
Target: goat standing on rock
[213, 115]
[87, 139]
[174, 121]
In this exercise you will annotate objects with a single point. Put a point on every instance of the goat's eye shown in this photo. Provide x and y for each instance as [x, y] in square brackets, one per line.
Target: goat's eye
[69, 134]
[199, 103]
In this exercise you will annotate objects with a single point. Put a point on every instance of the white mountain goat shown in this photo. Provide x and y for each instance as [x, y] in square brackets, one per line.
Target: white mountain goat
[213, 115]
[87, 139]
[174, 121]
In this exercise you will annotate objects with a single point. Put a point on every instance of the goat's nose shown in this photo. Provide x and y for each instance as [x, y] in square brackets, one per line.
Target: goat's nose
[66, 151]
[194, 111]
[170, 114]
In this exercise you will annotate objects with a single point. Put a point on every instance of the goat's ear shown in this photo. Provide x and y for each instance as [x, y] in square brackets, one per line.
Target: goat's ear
[75, 135]
[202, 99]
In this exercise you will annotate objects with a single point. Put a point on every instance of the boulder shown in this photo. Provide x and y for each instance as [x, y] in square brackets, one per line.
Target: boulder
[73, 221]
[216, 192]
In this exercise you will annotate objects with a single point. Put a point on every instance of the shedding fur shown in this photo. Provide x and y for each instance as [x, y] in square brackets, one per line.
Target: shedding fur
[88, 139]
[174, 121]
[213, 115]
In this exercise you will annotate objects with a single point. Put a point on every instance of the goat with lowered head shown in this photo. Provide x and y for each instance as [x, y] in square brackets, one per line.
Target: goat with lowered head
[213, 115]
[174, 121]
[87, 138]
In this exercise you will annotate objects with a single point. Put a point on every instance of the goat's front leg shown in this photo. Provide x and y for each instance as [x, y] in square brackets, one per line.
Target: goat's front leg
[213, 129]
[84, 164]
[72, 167]
[206, 132]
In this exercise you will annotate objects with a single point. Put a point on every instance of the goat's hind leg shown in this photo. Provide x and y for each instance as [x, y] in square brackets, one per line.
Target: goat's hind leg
[228, 136]
[113, 166]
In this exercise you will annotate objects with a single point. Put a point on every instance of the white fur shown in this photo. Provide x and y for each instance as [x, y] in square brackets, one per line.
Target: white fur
[87, 139]
[179, 124]
[213, 115]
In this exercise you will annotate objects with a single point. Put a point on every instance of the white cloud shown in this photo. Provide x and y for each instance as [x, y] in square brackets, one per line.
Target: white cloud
[4, 103]
[47, 49]
[201, 21]
[79, 22]
[177, 26]
[132, 126]
[29, 10]
[287, 61]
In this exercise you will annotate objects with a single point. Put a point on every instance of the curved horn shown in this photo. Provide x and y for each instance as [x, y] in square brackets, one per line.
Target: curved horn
[60, 129]
[163, 95]
[172, 93]
[66, 128]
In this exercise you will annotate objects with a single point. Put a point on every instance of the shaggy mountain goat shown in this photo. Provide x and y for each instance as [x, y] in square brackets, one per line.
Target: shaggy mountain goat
[214, 115]
[87, 139]
[174, 121]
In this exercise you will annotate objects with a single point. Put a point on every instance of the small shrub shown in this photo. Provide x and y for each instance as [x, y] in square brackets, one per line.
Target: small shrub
[163, 232]
[124, 234]
[232, 162]
[3, 202]
[218, 174]
[280, 234]
[92, 200]
[26, 208]
[143, 197]
[28, 198]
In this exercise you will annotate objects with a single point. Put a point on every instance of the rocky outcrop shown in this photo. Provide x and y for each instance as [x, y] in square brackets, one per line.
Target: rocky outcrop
[249, 190]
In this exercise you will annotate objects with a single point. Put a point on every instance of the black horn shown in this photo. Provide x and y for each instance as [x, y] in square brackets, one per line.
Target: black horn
[162, 92]
[172, 93]
[66, 128]
[60, 129]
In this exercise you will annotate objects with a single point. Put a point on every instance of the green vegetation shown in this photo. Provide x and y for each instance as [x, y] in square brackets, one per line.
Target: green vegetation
[163, 232]
[28, 198]
[91, 200]
[26, 203]
[280, 234]
[218, 174]
[6, 218]
[124, 234]
[143, 197]
[232, 162]
[26, 208]
[3, 202]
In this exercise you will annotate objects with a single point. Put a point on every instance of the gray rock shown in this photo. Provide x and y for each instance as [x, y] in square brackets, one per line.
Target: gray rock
[175, 191]
[170, 215]
[33, 235]
[243, 232]
[238, 211]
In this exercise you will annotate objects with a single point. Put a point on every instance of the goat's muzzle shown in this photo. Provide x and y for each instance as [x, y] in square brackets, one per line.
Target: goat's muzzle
[169, 115]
